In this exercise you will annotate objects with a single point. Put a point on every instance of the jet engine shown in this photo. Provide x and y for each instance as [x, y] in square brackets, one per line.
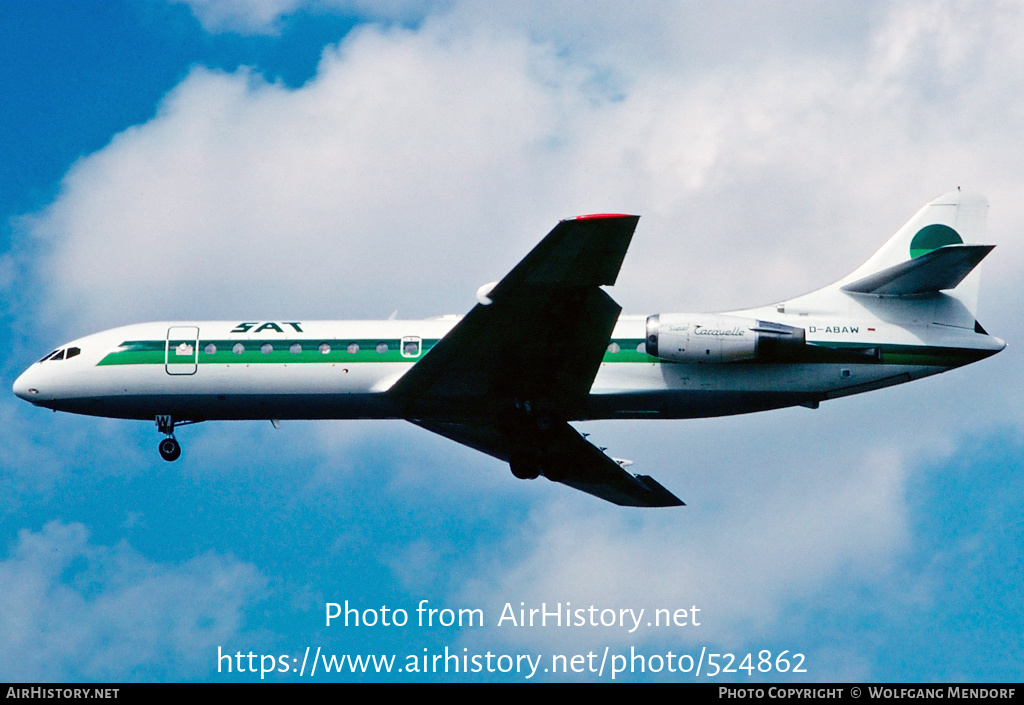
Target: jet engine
[712, 337]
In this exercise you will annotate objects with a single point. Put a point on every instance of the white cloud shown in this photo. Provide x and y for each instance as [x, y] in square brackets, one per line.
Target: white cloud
[74, 610]
[417, 165]
[241, 16]
[370, 187]
[253, 17]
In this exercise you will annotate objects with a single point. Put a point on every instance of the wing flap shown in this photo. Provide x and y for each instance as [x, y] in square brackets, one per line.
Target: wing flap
[563, 456]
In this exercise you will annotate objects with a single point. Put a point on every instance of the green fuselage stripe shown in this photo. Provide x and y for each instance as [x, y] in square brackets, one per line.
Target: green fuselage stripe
[153, 352]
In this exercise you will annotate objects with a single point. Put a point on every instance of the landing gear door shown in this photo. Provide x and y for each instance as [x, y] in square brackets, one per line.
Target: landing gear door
[181, 354]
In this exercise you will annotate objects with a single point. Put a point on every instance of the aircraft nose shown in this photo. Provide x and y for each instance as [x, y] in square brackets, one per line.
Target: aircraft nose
[23, 386]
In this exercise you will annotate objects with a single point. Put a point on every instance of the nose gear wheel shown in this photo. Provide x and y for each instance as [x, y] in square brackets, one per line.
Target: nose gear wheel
[169, 449]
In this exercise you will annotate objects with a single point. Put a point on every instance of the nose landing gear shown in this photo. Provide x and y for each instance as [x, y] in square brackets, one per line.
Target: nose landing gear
[170, 449]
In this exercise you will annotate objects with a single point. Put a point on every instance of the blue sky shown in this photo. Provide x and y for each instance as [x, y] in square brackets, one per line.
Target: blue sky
[300, 159]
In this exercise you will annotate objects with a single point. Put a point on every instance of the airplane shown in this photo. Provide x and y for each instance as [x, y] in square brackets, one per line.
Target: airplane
[545, 346]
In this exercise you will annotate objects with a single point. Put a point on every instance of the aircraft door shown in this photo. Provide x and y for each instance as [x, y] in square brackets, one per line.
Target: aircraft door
[181, 353]
[412, 346]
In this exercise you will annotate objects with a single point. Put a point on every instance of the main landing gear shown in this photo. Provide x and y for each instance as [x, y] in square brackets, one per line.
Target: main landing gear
[170, 449]
[533, 430]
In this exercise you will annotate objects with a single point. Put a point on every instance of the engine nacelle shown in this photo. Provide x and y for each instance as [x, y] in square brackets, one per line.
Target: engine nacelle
[712, 337]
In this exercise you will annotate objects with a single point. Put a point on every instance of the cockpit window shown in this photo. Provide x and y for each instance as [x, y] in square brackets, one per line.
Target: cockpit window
[60, 354]
[72, 352]
[48, 355]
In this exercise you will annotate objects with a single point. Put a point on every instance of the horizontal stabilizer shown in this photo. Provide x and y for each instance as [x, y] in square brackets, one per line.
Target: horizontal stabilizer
[938, 270]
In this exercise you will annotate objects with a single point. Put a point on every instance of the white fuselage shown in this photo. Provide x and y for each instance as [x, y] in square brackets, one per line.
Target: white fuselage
[343, 369]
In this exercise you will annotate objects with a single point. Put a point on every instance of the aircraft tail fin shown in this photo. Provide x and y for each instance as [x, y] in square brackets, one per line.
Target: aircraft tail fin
[929, 253]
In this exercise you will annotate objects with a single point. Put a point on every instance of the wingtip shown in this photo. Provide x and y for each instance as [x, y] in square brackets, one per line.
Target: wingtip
[659, 496]
[600, 216]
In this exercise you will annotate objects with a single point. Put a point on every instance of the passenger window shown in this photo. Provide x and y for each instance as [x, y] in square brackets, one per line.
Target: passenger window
[324, 348]
[210, 349]
[267, 348]
[238, 349]
[295, 349]
[382, 348]
[353, 348]
[613, 347]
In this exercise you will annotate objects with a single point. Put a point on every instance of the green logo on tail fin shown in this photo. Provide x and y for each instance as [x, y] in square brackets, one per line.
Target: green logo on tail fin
[932, 237]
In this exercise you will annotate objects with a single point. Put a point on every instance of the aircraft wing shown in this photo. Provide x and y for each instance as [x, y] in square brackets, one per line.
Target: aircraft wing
[568, 458]
[508, 377]
[541, 338]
